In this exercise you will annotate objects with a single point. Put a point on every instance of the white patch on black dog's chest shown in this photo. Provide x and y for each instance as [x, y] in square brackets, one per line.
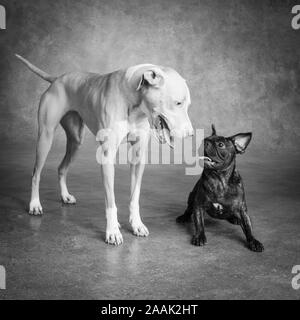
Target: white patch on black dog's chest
[219, 208]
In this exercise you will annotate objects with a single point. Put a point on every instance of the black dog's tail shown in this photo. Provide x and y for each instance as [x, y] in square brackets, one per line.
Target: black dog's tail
[44, 75]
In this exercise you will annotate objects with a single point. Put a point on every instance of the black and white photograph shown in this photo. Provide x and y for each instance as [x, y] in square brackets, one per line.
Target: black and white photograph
[150, 150]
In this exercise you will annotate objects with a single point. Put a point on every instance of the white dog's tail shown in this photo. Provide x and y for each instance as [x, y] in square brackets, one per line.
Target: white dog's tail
[36, 70]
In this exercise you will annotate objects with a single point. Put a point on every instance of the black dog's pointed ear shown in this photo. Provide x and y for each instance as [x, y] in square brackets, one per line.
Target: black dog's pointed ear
[213, 130]
[241, 141]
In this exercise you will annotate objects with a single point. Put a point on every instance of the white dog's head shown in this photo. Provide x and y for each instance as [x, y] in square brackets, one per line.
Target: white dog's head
[165, 99]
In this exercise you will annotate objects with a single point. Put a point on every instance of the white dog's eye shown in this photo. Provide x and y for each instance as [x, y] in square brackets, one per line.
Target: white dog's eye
[178, 103]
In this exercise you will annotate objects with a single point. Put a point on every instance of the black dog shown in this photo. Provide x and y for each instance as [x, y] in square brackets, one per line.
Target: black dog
[220, 190]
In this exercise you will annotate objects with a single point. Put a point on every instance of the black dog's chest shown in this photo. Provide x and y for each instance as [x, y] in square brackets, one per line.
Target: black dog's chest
[222, 198]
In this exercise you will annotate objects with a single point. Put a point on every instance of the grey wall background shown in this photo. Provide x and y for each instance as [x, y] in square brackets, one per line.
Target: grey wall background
[241, 58]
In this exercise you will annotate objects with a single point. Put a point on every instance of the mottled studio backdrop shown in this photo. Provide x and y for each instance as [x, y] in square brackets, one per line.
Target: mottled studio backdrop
[241, 58]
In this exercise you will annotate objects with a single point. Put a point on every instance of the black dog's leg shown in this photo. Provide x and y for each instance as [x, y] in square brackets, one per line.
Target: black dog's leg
[246, 225]
[199, 238]
[186, 217]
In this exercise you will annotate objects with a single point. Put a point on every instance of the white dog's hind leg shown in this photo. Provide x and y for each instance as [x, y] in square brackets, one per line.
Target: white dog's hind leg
[74, 128]
[50, 113]
[44, 143]
[53, 106]
[137, 170]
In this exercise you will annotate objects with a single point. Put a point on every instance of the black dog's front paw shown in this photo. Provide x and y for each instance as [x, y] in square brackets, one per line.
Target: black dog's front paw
[255, 245]
[199, 239]
[183, 218]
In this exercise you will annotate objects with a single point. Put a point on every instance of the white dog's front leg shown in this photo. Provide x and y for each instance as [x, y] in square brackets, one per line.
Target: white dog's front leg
[138, 228]
[137, 170]
[112, 234]
[107, 153]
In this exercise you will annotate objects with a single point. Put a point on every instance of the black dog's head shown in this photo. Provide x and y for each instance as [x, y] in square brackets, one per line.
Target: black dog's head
[220, 152]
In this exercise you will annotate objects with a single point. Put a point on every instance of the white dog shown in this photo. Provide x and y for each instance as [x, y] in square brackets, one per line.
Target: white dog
[126, 101]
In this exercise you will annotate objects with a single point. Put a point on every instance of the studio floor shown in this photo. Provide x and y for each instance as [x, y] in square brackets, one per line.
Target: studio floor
[62, 255]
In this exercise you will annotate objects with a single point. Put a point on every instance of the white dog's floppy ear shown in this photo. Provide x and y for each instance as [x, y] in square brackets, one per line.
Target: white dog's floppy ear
[241, 141]
[151, 78]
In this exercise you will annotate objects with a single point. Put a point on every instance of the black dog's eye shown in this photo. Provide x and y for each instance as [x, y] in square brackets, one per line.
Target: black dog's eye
[221, 145]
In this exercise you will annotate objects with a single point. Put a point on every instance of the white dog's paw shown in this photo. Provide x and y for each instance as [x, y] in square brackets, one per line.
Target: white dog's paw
[114, 237]
[35, 207]
[68, 199]
[139, 229]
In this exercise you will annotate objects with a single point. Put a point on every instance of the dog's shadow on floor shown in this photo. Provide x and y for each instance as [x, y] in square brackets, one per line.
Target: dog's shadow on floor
[98, 234]
[69, 215]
